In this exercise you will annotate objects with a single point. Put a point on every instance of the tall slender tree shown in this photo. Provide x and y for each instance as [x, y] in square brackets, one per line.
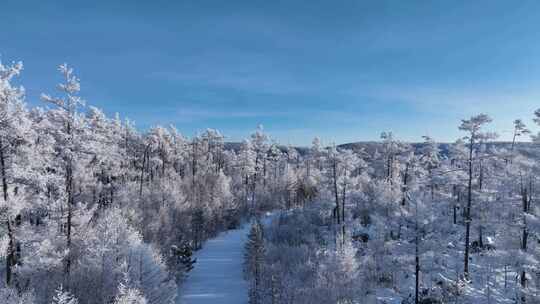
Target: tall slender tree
[473, 128]
[68, 145]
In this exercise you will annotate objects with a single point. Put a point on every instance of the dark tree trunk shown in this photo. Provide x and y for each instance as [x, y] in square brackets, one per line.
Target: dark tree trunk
[264, 172]
[468, 212]
[481, 236]
[389, 168]
[255, 180]
[334, 175]
[142, 169]
[417, 272]
[405, 180]
[525, 233]
[481, 177]
[10, 257]
[343, 212]
[69, 191]
[3, 171]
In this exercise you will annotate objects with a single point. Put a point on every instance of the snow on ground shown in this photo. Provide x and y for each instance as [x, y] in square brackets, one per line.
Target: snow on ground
[217, 276]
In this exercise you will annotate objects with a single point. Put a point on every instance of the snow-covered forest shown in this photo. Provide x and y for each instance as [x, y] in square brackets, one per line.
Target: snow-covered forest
[94, 210]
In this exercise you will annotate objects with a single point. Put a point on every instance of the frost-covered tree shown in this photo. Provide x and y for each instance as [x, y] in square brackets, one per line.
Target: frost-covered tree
[259, 144]
[474, 135]
[520, 129]
[253, 262]
[68, 128]
[63, 297]
[391, 149]
[430, 160]
[14, 133]
[113, 213]
[12, 296]
[127, 293]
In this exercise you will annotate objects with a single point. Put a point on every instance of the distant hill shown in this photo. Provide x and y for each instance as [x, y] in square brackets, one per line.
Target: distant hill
[235, 146]
[370, 147]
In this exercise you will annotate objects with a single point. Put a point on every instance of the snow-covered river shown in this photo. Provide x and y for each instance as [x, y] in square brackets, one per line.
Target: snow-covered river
[217, 276]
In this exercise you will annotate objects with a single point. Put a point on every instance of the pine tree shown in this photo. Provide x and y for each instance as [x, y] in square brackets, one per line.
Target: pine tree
[185, 254]
[183, 258]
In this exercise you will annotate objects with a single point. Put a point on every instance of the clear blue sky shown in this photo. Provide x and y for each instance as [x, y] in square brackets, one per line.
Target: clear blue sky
[342, 70]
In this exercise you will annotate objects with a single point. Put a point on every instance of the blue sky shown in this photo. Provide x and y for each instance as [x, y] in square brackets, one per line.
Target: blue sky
[342, 70]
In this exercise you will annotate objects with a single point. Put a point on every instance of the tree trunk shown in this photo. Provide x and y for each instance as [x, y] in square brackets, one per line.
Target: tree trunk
[142, 173]
[388, 168]
[525, 233]
[194, 164]
[343, 212]
[481, 177]
[10, 257]
[405, 180]
[246, 184]
[255, 181]
[416, 257]
[468, 212]
[3, 172]
[69, 191]
[334, 174]
[513, 144]
[455, 214]
[481, 236]
[264, 172]
[417, 271]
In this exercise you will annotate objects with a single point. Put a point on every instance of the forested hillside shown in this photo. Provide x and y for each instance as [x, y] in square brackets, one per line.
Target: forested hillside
[408, 223]
[94, 210]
